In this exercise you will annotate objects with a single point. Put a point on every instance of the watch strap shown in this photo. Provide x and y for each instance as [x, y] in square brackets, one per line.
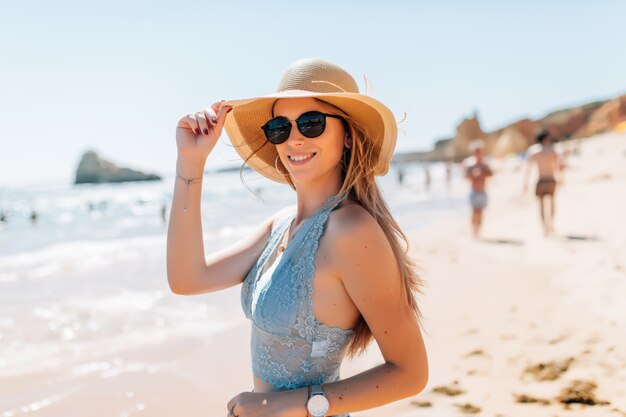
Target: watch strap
[315, 390]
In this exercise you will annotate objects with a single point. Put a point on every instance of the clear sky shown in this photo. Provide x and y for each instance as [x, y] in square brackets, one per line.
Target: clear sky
[115, 76]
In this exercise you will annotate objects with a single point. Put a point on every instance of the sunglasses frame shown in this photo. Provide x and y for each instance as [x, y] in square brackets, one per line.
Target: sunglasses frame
[266, 127]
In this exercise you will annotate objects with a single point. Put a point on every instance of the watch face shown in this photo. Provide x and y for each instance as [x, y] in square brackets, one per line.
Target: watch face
[318, 405]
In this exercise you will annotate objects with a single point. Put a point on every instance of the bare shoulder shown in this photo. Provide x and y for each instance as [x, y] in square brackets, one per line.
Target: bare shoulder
[350, 219]
[352, 231]
[361, 255]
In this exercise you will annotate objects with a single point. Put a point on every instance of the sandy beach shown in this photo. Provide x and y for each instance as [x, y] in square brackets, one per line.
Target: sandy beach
[515, 319]
[511, 320]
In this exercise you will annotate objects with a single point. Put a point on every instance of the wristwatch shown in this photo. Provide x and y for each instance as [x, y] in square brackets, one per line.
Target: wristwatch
[318, 404]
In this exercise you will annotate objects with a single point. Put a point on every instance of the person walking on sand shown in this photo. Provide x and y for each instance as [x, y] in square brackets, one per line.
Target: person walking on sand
[320, 279]
[548, 163]
[477, 171]
[448, 167]
[427, 177]
[400, 174]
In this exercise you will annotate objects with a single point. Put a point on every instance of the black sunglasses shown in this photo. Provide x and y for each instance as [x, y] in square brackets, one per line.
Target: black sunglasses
[311, 124]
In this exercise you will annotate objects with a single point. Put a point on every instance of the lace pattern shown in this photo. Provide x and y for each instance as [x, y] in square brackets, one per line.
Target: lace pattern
[290, 348]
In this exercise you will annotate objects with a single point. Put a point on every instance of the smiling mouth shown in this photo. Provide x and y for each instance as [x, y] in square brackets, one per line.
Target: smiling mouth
[300, 158]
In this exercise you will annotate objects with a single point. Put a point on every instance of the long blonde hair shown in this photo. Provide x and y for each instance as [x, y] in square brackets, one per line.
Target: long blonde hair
[357, 176]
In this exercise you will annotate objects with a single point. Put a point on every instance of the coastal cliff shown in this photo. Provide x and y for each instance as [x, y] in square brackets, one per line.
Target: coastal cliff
[574, 122]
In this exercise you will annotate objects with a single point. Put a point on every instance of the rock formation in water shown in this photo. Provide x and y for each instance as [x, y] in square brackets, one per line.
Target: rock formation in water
[93, 169]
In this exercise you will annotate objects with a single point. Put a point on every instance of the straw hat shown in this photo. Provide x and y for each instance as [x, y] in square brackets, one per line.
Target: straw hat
[309, 78]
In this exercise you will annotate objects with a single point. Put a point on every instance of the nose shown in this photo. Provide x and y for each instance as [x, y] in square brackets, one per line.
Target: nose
[295, 137]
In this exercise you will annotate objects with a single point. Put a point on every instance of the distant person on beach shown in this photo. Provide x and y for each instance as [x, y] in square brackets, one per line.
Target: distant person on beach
[477, 171]
[448, 173]
[320, 279]
[548, 163]
[33, 217]
[427, 177]
[400, 174]
[164, 213]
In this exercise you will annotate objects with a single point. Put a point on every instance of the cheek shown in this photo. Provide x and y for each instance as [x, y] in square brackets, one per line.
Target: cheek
[282, 152]
[334, 148]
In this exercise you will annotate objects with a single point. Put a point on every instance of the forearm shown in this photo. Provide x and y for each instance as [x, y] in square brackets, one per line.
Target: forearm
[558, 170]
[185, 246]
[375, 387]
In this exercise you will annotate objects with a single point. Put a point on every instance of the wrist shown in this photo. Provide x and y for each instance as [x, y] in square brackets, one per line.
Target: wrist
[296, 400]
[189, 168]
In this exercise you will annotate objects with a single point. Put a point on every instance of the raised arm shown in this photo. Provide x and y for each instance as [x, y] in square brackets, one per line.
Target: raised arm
[188, 272]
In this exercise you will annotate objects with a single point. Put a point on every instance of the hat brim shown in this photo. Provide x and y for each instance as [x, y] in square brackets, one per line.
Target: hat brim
[243, 127]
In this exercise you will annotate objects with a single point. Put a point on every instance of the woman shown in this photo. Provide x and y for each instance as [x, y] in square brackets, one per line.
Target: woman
[324, 278]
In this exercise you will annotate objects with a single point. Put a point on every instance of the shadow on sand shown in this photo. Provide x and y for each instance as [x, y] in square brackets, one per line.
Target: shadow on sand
[580, 238]
[501, 241]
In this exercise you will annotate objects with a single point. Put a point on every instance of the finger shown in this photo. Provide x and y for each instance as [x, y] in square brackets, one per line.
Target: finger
[193, 123]
[216, 106]
[230, 404]
[221, 114]
[211, 116]
[203, 124]
[184, 122]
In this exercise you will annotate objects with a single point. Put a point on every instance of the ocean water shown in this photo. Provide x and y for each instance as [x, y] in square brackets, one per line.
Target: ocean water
[85, 279]
[40, 217]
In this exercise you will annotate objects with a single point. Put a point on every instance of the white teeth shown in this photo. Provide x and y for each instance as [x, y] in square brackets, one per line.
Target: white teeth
[300, 157]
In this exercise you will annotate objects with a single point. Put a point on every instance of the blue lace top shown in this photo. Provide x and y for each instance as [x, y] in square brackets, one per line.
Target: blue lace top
[290, 348]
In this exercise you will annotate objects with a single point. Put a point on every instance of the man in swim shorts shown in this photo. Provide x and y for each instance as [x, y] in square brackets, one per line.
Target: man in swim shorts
[477, 171]
[544, 156]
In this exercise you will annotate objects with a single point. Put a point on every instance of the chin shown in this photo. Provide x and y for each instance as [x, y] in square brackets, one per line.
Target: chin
[301, 177]
[313, 177]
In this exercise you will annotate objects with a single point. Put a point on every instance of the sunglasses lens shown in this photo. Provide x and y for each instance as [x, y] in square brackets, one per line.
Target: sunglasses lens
[312, 124]
[277, 130]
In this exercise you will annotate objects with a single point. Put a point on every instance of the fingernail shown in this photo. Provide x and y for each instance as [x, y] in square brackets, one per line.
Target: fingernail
[206, 131]
[196, 131]
[214, 119]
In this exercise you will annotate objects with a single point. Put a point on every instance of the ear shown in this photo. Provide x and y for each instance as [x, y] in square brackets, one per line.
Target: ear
[348, 141]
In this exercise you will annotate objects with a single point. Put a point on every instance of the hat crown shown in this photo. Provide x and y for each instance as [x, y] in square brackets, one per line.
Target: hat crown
[317, 75]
